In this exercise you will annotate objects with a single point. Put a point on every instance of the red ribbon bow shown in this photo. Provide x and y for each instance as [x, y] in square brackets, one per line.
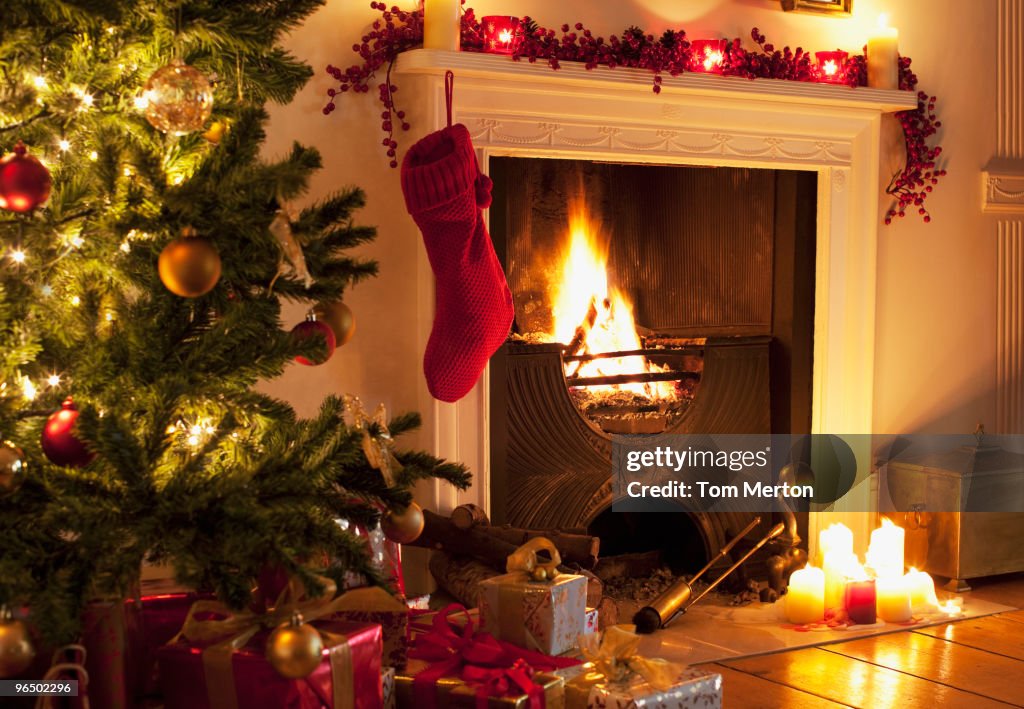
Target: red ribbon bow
[496, 668]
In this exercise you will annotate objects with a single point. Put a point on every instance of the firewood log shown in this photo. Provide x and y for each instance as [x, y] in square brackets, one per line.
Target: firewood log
[468, 516]
[460, 576]
[574, 548]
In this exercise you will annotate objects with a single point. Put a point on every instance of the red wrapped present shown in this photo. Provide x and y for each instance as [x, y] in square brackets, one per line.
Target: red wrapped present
[375, 605]
[218, 661]
[454, 665]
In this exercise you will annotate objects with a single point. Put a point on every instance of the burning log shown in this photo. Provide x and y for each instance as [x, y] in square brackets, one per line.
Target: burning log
[579, 338]
[639, 377]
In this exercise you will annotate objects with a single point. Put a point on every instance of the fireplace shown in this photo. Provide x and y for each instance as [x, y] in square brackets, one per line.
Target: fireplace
[713, 271]
[518, 110]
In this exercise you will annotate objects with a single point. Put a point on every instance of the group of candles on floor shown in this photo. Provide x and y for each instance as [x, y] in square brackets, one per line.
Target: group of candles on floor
[850, 592]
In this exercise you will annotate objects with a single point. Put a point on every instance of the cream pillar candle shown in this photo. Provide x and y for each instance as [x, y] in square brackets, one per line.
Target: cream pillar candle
[835, 539]
[805, 596]
[839, 568]
[883, 57]
[893, 600]
[441, 25]
[922, 591]
[885, 553]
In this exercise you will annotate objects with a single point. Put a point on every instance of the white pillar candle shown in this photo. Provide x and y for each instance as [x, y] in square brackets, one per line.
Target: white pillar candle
[892, 599]
[805, 596]
[885, 554]
[922, 591]
[883, 57]
[839, 568]
[835, 539]
[441, 25]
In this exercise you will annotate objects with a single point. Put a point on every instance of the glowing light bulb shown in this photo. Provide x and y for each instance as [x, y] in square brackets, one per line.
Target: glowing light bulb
[76, 301]
[171, 429]
[127, 172]
[125, 246]
[18, 256]
[39, 81]
[109, 317]
[193, 440]
[196, 430]
[94, 156]
[53, 380]
[64, 145]
[28, 389]
[77, 241]
[87, 100]
[142, 100]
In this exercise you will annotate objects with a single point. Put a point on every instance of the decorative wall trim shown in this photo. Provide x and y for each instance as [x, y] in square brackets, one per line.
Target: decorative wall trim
[1010, 328]
[1003, 193]
[652, 140]
[1003, 188]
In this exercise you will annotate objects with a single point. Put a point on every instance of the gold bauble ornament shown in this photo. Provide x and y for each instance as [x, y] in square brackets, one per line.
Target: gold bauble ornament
[179, 98]
[539, 574]
[12, 467]
[339, 318]
[405, 526]
[295, 648]
[215, 132]
[16, 649]
[189, 266]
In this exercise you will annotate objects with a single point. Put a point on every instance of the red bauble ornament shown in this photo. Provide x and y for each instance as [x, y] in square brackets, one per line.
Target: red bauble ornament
[314, 328]
[59, 443]
[24, 181]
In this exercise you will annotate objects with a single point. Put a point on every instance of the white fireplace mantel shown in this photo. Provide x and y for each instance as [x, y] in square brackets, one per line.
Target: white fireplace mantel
[521, 109]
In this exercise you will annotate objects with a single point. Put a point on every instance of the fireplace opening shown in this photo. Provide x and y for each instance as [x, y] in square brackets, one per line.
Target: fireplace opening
[648, 299]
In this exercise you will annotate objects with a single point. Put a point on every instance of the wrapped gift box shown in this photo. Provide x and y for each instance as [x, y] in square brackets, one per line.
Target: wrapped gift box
[375, 605]
[693, 689]
[546, 616]
[196, 678]
[454, 693]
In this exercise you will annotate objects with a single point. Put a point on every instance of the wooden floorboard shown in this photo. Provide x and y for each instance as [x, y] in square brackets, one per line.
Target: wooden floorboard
[995, 634]
[747, 691]
[946, 663]
[857, 683]
[1007, 589]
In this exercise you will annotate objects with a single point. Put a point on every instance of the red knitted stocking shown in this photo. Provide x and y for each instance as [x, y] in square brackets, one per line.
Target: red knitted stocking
[445, 193]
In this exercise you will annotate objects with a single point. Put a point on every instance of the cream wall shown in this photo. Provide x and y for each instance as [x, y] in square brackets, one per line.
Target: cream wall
[935, 345]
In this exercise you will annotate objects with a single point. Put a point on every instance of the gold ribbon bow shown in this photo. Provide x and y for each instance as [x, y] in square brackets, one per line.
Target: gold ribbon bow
[612, 658]
[223, 636]
[525, 559]
[379, 448]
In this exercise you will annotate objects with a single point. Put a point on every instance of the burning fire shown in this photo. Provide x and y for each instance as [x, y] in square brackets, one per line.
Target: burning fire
[585, 306]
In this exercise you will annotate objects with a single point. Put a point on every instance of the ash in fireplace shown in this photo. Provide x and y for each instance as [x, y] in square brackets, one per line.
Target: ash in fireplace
[627, 412]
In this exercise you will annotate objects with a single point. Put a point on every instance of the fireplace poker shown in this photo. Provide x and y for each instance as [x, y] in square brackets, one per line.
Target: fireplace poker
[679, 596]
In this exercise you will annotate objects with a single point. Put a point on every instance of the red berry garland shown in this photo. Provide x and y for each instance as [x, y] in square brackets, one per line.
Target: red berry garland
[399, 30]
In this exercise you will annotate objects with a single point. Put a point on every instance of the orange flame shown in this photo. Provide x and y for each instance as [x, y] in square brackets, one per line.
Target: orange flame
[585, 281]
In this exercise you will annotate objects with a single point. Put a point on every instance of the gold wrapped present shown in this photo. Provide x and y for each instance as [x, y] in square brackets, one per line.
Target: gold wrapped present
[454, 692]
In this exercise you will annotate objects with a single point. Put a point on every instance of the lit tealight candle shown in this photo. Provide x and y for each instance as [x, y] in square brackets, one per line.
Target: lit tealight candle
[708, 55]
[922, 591]
[500, 33]
[883, 56]
[805, 597]
[831, 66]
[885, 553]
[892, 600]
[442, 28]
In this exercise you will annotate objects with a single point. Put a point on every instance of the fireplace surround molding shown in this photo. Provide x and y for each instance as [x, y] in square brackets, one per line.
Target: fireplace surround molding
[528, 110]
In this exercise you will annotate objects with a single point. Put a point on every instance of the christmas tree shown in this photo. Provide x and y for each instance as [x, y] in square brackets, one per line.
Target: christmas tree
[147, 252]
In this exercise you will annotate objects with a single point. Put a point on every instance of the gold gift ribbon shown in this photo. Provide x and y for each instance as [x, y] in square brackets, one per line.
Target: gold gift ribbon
[521, 563]
[612, 657]
[223, 637]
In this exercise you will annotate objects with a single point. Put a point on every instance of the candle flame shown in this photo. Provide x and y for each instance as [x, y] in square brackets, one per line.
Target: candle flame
[505, 36]
[830, 67]
[712, 58]
[883, 20]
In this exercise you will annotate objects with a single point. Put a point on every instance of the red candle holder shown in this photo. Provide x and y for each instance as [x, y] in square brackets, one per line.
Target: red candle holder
[831, 67]
[708, 55]
[501, 33]
[859, 601]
